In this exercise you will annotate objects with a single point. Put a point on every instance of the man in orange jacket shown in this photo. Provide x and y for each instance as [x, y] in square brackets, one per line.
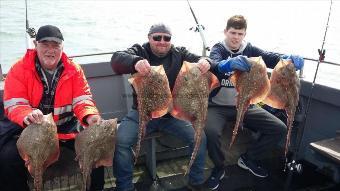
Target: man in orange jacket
[44, 81]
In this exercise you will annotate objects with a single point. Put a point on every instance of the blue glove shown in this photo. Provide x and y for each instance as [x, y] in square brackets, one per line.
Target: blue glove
[298, 61]
[239, 62]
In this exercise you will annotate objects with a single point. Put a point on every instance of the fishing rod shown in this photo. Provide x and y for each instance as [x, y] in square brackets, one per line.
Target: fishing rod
[293, 165]
[199, 28]
[30, 31]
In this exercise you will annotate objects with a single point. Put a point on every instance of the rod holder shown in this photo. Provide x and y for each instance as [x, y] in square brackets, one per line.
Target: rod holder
[294, 166]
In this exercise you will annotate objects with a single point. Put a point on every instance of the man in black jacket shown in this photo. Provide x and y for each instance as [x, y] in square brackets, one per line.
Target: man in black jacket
[157, 51]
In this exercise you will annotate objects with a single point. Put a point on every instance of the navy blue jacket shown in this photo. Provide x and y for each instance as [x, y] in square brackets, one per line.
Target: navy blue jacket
[219, 52]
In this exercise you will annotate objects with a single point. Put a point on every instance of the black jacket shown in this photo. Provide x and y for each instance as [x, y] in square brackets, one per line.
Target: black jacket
[123, 62]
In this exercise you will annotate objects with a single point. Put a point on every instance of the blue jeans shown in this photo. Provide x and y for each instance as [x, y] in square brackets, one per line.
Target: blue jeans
[127, 135]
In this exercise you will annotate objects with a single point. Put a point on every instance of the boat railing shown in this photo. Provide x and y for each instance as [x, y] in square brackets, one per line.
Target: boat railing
[111, 52]
[90, 54]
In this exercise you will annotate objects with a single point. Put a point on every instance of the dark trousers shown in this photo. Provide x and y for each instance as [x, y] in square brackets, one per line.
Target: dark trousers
[271, 130]
[14, 174]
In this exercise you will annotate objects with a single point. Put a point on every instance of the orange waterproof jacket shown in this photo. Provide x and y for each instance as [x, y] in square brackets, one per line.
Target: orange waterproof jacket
[23, 92]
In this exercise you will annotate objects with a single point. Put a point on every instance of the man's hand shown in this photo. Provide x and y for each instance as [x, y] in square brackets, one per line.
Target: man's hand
[203, 65]
[297, 60]
[93, 120]
[143, 67]
[239, 62]
[36, 116]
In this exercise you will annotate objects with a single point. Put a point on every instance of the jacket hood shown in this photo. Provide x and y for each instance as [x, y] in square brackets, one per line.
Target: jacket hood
[240, 50]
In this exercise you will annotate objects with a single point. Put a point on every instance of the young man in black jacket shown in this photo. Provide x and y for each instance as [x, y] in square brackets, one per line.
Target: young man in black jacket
[229, 55]
[157, 51]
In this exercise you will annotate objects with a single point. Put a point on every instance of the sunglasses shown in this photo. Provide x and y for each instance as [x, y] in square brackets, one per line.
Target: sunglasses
[159, 38]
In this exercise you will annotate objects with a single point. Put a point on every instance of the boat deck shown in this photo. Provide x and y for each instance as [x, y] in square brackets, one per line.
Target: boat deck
[170, 173]
[171, 178]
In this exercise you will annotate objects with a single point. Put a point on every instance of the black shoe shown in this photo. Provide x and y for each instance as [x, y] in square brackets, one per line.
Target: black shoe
[216, 176]
[250, 165]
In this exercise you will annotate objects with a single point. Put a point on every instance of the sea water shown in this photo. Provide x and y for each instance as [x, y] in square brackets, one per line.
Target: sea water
[94, 26]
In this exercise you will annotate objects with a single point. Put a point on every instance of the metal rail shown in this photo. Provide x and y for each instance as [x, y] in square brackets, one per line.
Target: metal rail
[326, 62]
[104, 53]
[93, 54]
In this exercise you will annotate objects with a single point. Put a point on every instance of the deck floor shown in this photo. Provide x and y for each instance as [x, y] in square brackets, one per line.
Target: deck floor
[237, 179]
[170, 174]
[171, 178]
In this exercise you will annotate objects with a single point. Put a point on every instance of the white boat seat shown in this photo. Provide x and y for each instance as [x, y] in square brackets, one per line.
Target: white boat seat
[329, 148]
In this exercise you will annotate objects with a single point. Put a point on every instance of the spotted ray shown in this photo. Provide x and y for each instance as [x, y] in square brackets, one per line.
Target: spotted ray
[95, 147]
[252, 87]
[284, 92]
[190, 99]
[38, 146]
[153, 96]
